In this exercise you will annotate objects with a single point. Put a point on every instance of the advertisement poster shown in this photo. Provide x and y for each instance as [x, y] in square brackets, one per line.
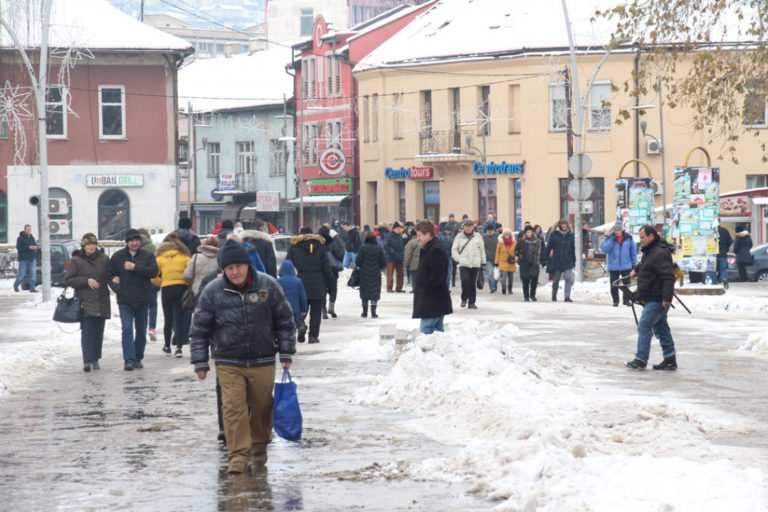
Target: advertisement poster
[696, 210]
[634, 203]
[738, 206]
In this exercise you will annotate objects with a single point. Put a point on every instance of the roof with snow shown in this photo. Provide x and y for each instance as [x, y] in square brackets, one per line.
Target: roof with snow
[239, 81]
[91, 24]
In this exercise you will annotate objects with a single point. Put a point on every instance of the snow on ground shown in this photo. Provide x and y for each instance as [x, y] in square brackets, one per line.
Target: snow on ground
[535, 436]
[757, 342]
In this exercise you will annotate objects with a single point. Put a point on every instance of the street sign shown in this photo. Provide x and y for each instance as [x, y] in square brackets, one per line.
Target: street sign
[332, 161]
[579, 165]
[586, 207]
[586, 189]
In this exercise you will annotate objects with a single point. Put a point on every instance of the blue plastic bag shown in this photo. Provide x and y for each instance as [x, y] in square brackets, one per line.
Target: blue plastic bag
[286, 412]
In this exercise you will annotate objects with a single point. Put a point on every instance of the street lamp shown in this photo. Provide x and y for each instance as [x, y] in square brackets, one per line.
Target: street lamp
[659, 141]
[483, 129]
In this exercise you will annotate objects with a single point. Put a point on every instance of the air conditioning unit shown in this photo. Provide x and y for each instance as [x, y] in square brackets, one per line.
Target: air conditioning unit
[658, 188]
[58, 206]
[652, 147]
[60, 227]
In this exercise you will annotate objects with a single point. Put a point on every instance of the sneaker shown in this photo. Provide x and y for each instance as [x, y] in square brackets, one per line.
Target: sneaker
[669, 363]
[128, 366]
[95, 365]
[635, 364]
[472, 306]
[177, 353]
[236, 467]
[463, 303]
[312, 339]
[86, 367]
[152, 335]
[137, 364]
[167, 349]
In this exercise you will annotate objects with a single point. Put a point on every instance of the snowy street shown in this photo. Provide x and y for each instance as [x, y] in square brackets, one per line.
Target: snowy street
[518, 406]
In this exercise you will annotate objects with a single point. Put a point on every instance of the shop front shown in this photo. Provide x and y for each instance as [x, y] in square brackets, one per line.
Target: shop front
[326, 200]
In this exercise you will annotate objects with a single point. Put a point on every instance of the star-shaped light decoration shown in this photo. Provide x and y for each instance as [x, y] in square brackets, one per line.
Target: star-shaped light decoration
[14, 108]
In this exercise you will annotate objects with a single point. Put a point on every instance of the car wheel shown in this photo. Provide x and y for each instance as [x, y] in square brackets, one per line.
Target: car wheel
[761, 276]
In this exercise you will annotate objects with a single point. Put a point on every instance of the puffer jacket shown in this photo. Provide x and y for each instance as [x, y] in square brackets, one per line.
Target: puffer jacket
[412, 252]
[242, 327]
[264, 245]
[189, 239]
[95, 303]
[468, 251]
[741, 247]
[561, 245]
[172, 259]
[309, 256]
[371, 261]
[655, 273]
[620, 256]
[502, 251]
[200, 265]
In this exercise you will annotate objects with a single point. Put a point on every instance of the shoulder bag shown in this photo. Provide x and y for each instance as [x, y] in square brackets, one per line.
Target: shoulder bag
[68, 310]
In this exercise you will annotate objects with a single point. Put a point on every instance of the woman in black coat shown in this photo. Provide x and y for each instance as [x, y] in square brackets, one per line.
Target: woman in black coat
[310, 257]
[371, 260]
[742, 246]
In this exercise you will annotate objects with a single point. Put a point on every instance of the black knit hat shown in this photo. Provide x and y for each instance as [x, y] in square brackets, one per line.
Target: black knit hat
[132, 234]
[233, 253]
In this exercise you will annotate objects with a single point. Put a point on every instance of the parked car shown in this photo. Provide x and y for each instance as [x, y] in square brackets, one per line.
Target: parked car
[282, 243]
[61, 255]
[756, 272]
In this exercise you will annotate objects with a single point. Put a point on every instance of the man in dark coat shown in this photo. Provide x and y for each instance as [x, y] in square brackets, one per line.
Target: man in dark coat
[655, 289]
[724, 242]
[351, 243]
[244, 319]
[186, 235]
[260, 240]
[309, 256]
[562, 258]
[394, 248]
[130, 272]
[431, 297]
[26, 249]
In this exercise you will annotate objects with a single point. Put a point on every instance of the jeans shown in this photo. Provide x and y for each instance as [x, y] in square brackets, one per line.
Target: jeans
[430, 325]
[653, 321]
[153, 311]
[615, 275]
[489, 275]
[722, 271]
[133, 345]
[349, 258]
[450, 271]
[24, 267]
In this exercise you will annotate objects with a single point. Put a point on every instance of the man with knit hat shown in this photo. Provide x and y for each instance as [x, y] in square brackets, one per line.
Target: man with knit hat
[130, 274]
[243, 319]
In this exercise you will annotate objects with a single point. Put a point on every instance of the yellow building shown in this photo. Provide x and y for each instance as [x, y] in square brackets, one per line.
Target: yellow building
[424, 96]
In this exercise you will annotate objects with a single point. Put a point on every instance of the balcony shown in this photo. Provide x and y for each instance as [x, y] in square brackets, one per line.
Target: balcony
[245, 182]
[449, 145]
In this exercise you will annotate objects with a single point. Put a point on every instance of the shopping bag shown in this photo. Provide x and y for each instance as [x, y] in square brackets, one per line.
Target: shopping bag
[68, 309]
[286, 412]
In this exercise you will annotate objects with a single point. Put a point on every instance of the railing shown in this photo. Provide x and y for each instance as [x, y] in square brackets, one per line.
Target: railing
[245, 182]
[445, 142]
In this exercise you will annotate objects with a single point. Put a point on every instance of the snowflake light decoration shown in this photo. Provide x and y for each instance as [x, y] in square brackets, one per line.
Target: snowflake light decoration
[14, 108]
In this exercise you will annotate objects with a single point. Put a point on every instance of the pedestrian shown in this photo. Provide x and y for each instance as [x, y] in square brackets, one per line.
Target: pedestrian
[87, 274]
[172, 260]
[351, 238]
[528, 252]
[130, 274]
[521, 233]
[238, 228]
[243, 320]
[724, 242]
[187, 236]
[490, 240]
[370, 261]
[468, 251]
[431, 296]
[202, 263]
[309, 256]
[562, 258]
[297, 297]
[537, 229]
[445, 236]
[335, 248]
[504, 258]
[655, 289]
[227, 227]
[741, 247]
[394, 248]
[411, 258]
[621, 255]
[490, 223]
[146, 243]
[26, 255]
[262, 242]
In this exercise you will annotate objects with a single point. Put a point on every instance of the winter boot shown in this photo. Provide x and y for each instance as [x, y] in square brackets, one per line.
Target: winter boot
[325, 312]
[373, 312]
[312, 339]
[669, 363]
[635, 364]
[725, 285]
[331, 310]
[302, 331]
[365, 311]
[503, 290]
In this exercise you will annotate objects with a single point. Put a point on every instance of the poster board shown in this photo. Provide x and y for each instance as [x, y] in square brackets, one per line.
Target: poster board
[695, 214]
[634, 203]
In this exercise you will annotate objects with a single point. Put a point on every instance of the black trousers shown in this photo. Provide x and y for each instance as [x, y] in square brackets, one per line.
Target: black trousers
[333, 289]
[529, 275]
[174, 316]
[469, 283]
[742, 272]
[91, 337]
[453, 272]
[315, 316]
[614, 275]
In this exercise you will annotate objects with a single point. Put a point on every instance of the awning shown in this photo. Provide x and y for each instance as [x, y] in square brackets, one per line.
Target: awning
[319, 200]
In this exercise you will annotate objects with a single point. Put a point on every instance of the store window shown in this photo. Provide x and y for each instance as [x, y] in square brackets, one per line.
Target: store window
[114, 215]
[3, 217]
[111, 111]
[401, 200]
[432, 200]
[56, 112]
[488, 185]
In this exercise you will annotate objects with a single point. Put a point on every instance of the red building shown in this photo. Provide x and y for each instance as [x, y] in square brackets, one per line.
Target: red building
[327, 160]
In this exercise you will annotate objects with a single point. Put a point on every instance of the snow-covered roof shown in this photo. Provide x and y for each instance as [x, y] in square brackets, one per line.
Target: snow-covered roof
[91, 24]
[461, 29]
[236, 82]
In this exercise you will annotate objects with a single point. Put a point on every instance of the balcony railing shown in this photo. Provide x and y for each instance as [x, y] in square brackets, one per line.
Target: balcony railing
[246, 182]
[449, 142]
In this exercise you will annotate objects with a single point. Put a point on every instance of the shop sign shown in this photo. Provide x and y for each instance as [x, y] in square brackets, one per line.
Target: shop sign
[341, 186]
[332, 161]
[114, 180]
[502, 168]
[268, 201]
[227, 181]
[414, 173]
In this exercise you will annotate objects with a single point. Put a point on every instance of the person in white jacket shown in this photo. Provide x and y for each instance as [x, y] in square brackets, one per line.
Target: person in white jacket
[469, 251]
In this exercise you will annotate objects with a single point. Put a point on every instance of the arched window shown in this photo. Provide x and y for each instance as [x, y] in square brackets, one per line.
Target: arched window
[114, 215]
[3, 217]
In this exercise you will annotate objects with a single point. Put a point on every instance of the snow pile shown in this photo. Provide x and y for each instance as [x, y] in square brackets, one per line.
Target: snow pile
[757, 342]
[535, 437]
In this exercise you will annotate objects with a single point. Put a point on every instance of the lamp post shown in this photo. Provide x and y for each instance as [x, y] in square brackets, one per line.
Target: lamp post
[659, 141]
[483, 154]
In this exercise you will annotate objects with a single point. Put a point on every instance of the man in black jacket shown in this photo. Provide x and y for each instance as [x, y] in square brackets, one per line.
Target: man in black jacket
[26, 250]
[655, 288]
[352, 244]
[129, 275]
[431, 297]
[724, 241]
[186, 235]
[244, 319]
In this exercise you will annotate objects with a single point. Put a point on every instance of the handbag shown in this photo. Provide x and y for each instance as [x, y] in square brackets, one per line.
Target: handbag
[510, 258]
[68, 310]
[188, 301]
[286, 414]
[354, 278]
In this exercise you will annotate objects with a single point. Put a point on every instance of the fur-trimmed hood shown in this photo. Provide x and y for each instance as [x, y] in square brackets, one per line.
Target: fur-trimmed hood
[208, 250]
[171, 245]
[259, 235]
[308, 237]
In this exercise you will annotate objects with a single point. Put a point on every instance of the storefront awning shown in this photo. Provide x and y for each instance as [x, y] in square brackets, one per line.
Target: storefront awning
[319, 200]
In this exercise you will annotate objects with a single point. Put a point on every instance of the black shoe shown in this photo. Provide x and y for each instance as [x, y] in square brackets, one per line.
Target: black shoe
[463, 303]
[472, 306]
[312, 339]
[331, 310]
[301, 334]
[137, 365]
[86, 367]
[567, 299]
[533, 299]
[399, 291]
[725, 285]
[95, 365]
[615, 304]
[167, 349]
[32, 291]
[178, 352]
[128, 366]
[503, 291]
[525, 299]
[628, 303]
[373, 312]
[635, 364]
[669, 363]
[222, 437]
[15, 288]
[554, 299]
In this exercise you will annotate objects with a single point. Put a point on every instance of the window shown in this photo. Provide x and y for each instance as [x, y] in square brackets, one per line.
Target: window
[333, 134]
[183, 151]
[513, 114]
[375, 118]
[114, 215]
[432, 200]
[3, 128]
[598, 201]
[204, 49]
[214, 152]
[277, 158]
[492, 197]
[401, 200]
[333, 75]
[599, 109]
[308, 78]
[56, 112]
[558, 108]
[3, 217]
[426, 114]
[366, 119]
[306, 17]
[755, 109]
[246, 159]
[221, 49]
[397, 113]
[484, 110]
[757, 180]
[111, 111]
[311, 133]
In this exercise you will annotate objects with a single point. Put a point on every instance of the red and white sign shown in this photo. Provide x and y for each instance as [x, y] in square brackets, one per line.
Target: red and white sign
[332, 161]
[421, 173]
[268, 201]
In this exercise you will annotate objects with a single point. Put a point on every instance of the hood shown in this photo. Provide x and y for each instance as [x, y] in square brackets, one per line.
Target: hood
[308, 237]
[172, 245]
[287, 269]
[742, 234]
[208, 250]
[255, 234]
